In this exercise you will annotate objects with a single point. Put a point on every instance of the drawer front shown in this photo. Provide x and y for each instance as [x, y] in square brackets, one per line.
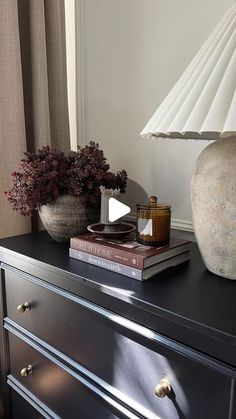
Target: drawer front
[94, 342]
[22, 409]
[53, 386]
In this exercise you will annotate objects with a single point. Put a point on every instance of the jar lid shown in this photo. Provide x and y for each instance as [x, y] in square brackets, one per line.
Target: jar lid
[152, 203]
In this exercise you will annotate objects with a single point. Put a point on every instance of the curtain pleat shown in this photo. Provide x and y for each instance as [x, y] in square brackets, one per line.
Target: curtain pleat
[33, 86]
[12, 118]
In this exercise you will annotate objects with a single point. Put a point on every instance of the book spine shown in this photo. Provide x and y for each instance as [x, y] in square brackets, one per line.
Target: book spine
[107, 252]
[106, 264]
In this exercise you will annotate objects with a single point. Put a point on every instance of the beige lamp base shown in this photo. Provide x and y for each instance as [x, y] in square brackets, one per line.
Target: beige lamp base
[213, 196]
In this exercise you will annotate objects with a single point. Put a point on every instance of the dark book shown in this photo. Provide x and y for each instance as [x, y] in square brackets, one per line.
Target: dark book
[130, 252]
[129, 271]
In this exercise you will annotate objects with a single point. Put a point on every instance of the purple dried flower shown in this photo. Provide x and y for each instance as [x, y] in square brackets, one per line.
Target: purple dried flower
[45, 175]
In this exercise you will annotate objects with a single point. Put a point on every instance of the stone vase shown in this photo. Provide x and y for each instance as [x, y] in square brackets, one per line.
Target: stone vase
[213, 196]
[67, 217]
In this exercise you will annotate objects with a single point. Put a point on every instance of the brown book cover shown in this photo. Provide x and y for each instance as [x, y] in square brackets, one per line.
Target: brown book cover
[130, 252]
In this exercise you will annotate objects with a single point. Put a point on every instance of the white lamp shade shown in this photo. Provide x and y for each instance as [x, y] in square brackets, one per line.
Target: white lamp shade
[202, 104]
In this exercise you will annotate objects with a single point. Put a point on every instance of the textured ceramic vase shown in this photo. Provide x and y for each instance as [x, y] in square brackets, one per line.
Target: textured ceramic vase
[67, 217]
[213, 194]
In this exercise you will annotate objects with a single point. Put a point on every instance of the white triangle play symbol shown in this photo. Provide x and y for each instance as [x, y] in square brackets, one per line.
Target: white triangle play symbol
[117, 209]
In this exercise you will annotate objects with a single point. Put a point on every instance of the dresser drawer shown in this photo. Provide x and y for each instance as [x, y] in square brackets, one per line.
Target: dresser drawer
[83, 333]
[55, 387]
[22, 409]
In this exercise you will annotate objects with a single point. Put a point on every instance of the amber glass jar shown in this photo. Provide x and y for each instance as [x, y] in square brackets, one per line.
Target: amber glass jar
[153, 221]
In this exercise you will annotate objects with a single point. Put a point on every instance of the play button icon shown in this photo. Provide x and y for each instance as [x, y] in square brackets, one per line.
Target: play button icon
[117, 210]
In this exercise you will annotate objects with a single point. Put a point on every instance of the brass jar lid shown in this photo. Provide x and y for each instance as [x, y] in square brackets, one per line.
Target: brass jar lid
[153, 204]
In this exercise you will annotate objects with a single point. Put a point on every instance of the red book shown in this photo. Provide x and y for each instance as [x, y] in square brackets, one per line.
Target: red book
[128, 253]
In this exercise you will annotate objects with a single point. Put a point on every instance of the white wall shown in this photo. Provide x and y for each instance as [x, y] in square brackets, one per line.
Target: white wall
[130, 53]
[71, 69]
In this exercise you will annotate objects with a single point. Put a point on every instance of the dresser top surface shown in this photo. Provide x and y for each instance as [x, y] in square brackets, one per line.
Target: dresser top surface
[189, 294]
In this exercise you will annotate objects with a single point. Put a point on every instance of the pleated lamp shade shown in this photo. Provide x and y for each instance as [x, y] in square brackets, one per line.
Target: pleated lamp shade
[202, 104]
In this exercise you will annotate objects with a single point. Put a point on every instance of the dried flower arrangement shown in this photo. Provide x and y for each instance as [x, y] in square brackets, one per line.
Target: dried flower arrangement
[48, 173]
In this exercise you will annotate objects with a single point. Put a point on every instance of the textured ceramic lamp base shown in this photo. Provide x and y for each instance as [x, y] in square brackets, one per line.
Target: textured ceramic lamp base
[213, 195]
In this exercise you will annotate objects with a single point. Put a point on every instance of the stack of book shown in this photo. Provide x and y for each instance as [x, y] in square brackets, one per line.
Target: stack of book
[129, 258]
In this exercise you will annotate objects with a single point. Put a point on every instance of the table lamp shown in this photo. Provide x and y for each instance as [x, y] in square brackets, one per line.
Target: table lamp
[202, 105]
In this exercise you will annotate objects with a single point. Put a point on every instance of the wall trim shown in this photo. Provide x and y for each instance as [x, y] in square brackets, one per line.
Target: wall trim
[80, 71]
[176, 224]
[183, 225]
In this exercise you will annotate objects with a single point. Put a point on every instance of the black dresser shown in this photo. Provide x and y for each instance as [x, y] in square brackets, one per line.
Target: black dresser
[81, 342]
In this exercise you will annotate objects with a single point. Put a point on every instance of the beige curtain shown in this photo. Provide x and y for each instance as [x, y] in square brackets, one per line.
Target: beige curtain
[33, 90]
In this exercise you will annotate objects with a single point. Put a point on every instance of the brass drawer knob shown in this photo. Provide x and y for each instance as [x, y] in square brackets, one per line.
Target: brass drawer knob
[24, 307]
[163, 388]
[26, 371]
